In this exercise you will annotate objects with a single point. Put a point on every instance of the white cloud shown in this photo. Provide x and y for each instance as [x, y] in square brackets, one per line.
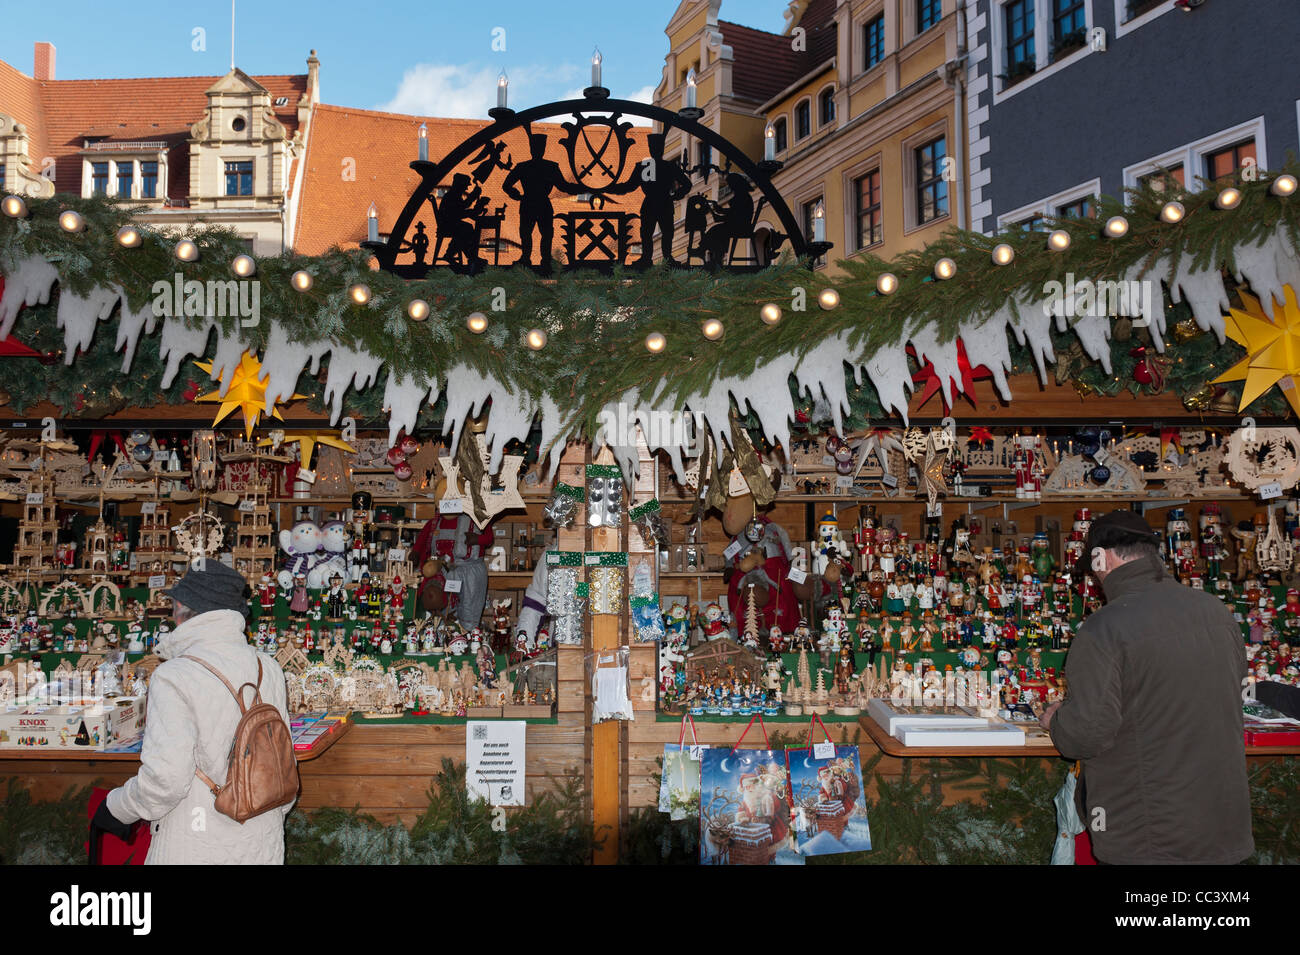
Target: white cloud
[468, 92]
[645, 94]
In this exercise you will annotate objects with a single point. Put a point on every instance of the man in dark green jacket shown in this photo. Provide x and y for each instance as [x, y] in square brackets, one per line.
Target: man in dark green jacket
[1153, 709]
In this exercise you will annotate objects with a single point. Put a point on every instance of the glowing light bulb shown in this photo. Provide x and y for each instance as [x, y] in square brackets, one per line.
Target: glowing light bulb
[712, 329]
[1003, 254]
[477, 323]
[886, 283]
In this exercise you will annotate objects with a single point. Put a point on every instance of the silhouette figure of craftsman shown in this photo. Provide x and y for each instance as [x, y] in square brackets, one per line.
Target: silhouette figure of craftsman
[530, 183]
[457, 215]
[733, 221]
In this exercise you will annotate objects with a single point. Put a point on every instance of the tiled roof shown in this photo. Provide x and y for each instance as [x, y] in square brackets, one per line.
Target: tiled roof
[20, 98]
[65, 112]
[378, 148]
[765, 64]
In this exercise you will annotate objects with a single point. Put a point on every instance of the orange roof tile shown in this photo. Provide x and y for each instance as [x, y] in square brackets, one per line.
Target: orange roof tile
[63, 113]
[376, 149]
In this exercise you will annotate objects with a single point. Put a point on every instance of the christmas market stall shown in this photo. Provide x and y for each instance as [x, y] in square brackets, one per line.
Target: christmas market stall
[634, 511]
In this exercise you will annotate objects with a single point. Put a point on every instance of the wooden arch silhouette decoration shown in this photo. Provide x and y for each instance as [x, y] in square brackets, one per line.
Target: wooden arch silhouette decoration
[597, 140]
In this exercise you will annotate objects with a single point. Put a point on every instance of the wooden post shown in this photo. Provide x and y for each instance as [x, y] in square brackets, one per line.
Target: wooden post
[606, 633]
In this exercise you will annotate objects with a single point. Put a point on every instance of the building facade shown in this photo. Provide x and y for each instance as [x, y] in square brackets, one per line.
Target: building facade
[1069, 100]
[220, 150]
[861, 100]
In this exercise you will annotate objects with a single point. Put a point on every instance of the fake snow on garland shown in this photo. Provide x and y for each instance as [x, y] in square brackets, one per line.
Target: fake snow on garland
[1267, 265]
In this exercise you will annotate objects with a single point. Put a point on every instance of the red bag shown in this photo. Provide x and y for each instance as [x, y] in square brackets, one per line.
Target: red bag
[103, 848]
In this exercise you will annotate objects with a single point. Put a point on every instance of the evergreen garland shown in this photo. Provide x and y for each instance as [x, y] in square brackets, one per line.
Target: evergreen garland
[596, 325]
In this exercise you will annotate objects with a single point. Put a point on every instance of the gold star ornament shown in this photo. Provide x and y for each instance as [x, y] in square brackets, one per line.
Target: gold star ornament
[307, 441]
[1272, 348]
[246, 391]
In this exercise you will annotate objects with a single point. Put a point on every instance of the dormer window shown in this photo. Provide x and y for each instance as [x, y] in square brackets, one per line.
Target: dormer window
[282, 101]
[239, 178]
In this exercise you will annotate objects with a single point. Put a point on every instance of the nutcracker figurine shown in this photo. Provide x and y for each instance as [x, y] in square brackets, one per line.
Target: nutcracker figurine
[1028, 466]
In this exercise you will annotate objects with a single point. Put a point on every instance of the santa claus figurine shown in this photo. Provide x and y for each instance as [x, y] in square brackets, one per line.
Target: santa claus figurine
[266, 591]
[1028, 466]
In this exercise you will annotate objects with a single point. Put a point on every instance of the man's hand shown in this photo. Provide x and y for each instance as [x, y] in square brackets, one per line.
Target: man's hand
[111, 824]
[1046, 718]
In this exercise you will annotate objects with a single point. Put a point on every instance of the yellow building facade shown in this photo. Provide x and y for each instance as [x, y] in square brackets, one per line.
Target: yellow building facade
[860, 99]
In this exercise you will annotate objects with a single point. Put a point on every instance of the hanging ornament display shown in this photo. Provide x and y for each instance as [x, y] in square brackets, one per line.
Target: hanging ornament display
[562, 508]
[247, 393]
[1272, 346]
[1099, 475]
[649, 521]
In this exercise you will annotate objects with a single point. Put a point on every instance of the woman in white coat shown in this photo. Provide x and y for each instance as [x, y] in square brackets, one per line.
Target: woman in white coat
[190, 724]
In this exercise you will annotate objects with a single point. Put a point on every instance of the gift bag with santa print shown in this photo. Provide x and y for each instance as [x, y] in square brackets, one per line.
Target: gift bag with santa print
[826, 798]
[679, 786]
[744, 808]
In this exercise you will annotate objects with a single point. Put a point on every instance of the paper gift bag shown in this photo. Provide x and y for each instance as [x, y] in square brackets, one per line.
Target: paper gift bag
[679, 786]
[826, 797]
[744, 808]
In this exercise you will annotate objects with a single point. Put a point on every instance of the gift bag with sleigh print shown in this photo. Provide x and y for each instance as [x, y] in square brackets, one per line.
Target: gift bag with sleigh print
[744, 807]
[826, 798]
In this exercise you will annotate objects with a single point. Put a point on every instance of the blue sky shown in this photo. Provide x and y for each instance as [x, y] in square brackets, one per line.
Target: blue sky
[433, 58]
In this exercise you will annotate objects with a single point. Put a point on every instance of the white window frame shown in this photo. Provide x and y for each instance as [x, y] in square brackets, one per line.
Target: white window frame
[859, 44]
[873, 163]
[911, 214]
[1043, 67]
[1121, 7]
[1192, 155]
[1047, 206]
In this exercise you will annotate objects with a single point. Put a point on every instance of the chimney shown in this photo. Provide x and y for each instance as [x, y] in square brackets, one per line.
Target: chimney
[43, 61]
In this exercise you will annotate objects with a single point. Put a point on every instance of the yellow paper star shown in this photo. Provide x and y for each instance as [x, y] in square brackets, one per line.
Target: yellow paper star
[247, 392]
[1272, 347]
[307, 441]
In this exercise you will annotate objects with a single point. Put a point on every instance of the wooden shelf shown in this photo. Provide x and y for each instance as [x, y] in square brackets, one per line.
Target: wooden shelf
[666, 574]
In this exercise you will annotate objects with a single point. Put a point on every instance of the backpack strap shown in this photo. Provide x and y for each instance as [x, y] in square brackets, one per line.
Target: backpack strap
[239, 698]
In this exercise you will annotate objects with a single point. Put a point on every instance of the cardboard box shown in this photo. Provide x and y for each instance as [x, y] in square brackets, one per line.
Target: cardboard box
[47, 727]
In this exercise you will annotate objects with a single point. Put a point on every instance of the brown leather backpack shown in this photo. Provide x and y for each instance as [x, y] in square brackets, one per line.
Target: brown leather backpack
[263, 772]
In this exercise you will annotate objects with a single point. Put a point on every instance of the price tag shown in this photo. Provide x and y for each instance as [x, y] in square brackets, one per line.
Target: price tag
[36, 497]
[455, 505]
[828, 461]
[149, 507]
[889, 480]
[307, 477]
[824, 750]
[157, 581]
[732, 550]
[797, 575]
[246, 504]
[161, 455]
[451, 586]
[397, 553]
[696, 751]
[934, 510]
[1101, 456]
[844, 482]
[1270, 490]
